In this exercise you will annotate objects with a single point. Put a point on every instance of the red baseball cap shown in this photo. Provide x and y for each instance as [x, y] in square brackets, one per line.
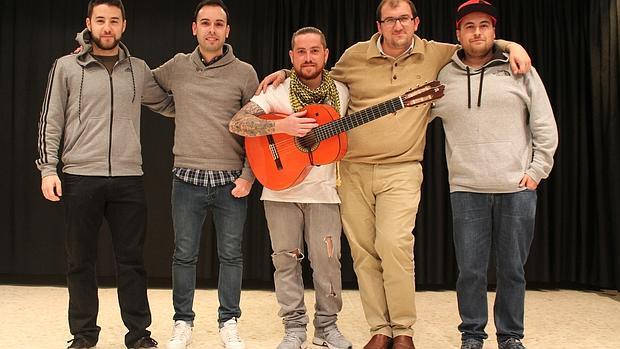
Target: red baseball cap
[472, 6]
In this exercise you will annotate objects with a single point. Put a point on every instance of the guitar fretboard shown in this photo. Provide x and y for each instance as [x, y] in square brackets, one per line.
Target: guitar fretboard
[356, 119]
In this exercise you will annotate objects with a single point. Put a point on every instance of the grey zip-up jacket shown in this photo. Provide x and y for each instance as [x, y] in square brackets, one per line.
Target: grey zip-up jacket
[498, 126]
[96, 114]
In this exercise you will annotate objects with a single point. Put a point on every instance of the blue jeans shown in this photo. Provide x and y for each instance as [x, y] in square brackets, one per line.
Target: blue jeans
[190, 204]
[504, 222]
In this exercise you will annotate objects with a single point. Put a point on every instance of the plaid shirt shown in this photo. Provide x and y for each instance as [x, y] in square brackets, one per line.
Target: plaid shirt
[206, 178]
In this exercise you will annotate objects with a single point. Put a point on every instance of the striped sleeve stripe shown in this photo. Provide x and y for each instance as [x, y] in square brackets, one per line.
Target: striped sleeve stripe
[43, 117]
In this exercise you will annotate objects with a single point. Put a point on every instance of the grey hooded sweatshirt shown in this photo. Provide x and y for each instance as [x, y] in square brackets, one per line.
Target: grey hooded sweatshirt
[498, 126]
[96, 114]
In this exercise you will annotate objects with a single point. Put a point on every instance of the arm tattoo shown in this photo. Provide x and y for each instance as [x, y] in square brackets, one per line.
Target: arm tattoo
[247, 123]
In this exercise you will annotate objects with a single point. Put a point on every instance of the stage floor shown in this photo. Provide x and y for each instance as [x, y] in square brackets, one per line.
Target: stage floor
[36, 317]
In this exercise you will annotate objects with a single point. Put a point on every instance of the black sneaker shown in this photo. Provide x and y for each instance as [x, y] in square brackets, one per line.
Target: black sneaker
[81, 343]
[511, 343]
[471, 343]
[145, 343]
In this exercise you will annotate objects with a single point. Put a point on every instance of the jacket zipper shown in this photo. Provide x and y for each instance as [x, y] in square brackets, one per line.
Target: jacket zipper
[111, 123]
[111, 116]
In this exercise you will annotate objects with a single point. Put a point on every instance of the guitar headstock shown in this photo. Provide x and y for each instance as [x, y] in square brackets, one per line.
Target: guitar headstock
[428, 92]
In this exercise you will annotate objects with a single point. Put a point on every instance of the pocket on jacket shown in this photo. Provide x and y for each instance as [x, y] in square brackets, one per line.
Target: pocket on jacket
[88, 144]
[126, 142]
[485, 165]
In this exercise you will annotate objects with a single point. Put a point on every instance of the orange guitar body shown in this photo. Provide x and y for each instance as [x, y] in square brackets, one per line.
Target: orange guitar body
[280, 161]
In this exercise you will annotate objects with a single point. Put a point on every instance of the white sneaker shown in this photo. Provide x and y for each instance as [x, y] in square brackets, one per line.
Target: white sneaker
[181, 335]
[230, 336]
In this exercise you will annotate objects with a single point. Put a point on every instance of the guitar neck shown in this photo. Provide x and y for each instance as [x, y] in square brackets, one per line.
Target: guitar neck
[359, 118]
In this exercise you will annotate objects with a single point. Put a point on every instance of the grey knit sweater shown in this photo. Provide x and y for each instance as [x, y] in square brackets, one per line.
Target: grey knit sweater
[206, 98]
[497, 130]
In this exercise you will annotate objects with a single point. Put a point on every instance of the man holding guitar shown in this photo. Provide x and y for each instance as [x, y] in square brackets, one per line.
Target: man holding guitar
[308, 210]
[382, 171]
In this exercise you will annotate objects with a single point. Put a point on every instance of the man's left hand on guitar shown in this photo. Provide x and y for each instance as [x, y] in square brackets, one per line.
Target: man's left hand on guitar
[242, 188]
[295, 125]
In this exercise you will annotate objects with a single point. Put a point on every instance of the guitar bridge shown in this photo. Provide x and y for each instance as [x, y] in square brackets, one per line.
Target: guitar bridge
[274, 152]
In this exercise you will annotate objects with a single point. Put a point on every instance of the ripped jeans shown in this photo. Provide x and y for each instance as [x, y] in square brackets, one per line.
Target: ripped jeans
[319, 225]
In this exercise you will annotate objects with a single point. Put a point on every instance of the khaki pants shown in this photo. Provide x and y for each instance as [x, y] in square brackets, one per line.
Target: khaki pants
[379, 206]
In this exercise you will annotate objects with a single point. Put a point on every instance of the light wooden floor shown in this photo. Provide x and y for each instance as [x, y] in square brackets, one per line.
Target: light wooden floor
[35, 317]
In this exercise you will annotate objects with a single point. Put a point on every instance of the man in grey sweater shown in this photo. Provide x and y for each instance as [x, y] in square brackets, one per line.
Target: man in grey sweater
[500, 140]
[92, 106]
[209, 86]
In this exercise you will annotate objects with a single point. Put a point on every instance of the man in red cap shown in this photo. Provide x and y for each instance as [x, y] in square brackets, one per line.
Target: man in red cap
[500, 143]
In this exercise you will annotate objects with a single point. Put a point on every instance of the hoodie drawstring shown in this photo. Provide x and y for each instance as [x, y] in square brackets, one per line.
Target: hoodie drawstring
[133, 80]
[469, 87]
[480, 88]
[80, 97]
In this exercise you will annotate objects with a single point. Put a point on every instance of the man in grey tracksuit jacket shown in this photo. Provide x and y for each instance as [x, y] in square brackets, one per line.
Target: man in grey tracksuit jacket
[500, 140]
[91, 115]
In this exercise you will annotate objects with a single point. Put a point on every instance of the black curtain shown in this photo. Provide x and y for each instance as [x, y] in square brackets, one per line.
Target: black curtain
[573, 44]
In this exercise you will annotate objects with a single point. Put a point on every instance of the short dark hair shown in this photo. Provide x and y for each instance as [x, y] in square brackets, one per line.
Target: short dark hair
[394, 3]
[216, 3]
[116, 3]
[309, 30]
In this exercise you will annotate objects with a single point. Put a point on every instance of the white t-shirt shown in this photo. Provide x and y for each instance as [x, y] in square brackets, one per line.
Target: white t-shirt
[319, 186]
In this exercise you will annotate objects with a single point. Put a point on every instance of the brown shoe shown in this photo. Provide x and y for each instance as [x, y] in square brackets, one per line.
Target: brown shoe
[379, 341]
[403, 342]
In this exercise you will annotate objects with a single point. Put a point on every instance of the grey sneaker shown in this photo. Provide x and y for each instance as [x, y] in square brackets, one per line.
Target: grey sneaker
[511, 343]
[331, 337]
[294, 339]
[471, 343]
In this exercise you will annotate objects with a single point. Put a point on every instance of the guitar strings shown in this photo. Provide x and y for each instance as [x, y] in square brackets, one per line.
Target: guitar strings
[356, 119]
[337, 126]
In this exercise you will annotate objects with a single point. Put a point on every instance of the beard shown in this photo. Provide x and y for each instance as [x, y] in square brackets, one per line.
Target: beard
[309, 76]
[480, 51]
[103, 46]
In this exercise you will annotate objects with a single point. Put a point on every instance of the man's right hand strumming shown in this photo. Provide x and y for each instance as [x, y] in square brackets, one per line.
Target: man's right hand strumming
[295, 124]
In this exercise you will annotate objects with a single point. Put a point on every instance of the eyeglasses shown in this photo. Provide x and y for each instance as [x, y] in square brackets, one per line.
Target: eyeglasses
[391, 21]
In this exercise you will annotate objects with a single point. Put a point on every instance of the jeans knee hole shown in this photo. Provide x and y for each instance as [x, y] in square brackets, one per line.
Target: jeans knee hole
[329, 244]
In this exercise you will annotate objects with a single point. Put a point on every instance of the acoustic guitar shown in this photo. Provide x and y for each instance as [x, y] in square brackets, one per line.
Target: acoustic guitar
[280, 161]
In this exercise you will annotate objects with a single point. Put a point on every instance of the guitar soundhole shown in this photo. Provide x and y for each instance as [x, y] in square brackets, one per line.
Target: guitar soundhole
[307, 143]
